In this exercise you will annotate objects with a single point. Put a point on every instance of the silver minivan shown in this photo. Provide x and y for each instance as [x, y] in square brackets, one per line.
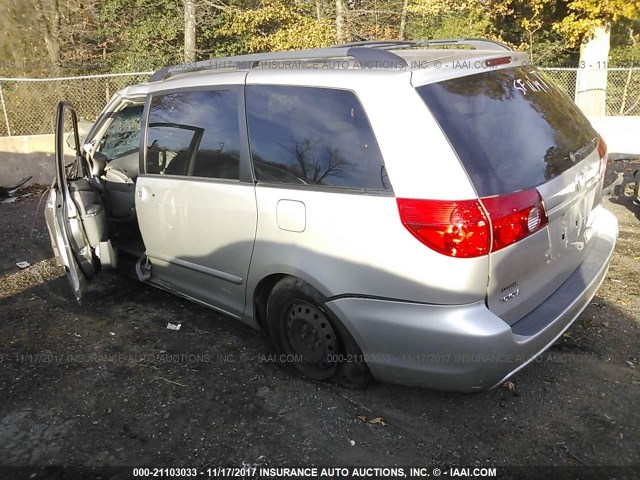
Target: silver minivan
[396, 210]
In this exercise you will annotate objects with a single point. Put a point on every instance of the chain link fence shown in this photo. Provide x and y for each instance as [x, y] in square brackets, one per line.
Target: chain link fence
[565, 78]
[623, 88]
[28, 104]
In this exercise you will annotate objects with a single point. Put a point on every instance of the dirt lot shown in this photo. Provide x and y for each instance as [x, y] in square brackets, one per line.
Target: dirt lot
[105, 383]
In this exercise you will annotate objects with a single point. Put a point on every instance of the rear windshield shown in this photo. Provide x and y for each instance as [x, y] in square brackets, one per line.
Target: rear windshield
[511, 128]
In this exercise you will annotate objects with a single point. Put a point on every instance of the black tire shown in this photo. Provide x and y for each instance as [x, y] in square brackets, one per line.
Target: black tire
[301, 326]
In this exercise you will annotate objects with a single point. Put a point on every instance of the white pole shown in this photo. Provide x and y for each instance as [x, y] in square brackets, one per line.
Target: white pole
[4, 110]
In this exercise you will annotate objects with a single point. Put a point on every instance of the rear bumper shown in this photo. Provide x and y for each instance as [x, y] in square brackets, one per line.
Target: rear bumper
[466, 347]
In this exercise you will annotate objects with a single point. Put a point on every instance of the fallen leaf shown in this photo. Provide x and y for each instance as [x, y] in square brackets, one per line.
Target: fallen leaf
[378, 420]
[509, 386]
[362, 417]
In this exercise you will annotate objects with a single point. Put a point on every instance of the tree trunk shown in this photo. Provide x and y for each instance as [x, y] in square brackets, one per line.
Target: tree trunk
[403, 19]
[49, 19]
[591, 79]
[189, 31]
[340, 21]
[319, 10]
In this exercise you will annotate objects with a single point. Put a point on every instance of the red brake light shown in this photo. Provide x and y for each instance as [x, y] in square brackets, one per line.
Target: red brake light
[515, 216]
[455, 228]
[493, 62]
[464, 228]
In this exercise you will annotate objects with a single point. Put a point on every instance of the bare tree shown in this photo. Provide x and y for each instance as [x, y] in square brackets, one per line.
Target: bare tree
[312, 170]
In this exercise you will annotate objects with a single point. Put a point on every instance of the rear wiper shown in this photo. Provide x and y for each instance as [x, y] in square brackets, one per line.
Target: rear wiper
[580, 153]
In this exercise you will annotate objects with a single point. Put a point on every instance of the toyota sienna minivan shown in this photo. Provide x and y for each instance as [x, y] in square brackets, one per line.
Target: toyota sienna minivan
[395, 209]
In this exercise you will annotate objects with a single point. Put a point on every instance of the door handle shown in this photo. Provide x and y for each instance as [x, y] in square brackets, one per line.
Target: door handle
[143, 193]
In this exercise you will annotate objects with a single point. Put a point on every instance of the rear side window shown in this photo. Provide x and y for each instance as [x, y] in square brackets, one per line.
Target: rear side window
[194, 133]
[512, 129]
[313, 136]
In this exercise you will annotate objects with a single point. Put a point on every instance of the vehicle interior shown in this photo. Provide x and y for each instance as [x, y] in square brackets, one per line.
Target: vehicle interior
[107, 197]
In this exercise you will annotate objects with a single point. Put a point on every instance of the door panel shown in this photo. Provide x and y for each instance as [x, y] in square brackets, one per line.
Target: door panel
[69, 205]
[199, 236]
[197, 219]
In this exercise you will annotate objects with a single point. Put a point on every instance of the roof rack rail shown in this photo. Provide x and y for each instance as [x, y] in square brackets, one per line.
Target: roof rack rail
[366, 56]
[379, 44]
[369, 54]
[478, 43]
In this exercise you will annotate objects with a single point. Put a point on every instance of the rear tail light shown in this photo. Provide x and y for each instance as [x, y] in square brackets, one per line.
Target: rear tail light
[602, 152]
[472, 228]
[515, 216]
[453, 228]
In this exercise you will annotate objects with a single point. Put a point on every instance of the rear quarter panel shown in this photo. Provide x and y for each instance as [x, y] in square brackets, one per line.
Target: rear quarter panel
[354, 243]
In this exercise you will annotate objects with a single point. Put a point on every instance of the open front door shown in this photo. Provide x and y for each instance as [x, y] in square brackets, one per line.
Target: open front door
[73, 201]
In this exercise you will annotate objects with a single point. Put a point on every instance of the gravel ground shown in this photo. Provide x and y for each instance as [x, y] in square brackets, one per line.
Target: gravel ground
[105, 383]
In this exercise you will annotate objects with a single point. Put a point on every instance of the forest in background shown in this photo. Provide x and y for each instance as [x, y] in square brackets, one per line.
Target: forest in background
[69, 37]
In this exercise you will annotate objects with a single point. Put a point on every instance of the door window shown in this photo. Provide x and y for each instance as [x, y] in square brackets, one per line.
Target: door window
[194, 133]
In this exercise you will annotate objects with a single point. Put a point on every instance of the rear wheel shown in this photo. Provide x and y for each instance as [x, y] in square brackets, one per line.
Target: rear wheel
[310, 338]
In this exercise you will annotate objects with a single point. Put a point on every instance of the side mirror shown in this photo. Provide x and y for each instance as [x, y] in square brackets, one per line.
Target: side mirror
[99, 161]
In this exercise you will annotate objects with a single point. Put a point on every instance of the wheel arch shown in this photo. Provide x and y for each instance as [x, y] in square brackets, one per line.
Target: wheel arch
[259, 294]
[352, 374]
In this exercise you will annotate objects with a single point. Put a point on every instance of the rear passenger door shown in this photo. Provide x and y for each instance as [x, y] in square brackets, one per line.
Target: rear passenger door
[195, 200]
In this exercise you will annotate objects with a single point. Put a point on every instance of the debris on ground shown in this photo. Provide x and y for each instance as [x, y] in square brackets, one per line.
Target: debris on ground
[31, 190]
[174, 326]
[19, 192]
[9, 191]
[171, 381]
[509, 386]
[373, 421]
[610, 191]
[22, 265]
[378, 421]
